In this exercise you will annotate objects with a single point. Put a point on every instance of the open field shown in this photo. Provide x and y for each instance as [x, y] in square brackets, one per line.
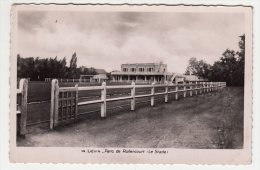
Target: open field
[209, 121]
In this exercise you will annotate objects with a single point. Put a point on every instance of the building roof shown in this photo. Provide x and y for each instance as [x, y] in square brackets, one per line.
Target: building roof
[161, 63]
[101, 71]
[100, 76]
[194, 78]
[137, 73]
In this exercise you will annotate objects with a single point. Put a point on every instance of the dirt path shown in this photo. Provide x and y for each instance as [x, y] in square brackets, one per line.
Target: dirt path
[212, 120]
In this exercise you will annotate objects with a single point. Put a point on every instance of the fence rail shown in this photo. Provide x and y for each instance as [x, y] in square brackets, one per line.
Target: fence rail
[64, 100]
[71, 80]
[21, 107]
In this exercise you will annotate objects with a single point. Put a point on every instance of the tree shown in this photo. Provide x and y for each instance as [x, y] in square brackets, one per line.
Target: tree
[39, 69]
[73, 66]
[92, 71]
[225, 69]
[198, 68]
[230, 68]
[241, 60]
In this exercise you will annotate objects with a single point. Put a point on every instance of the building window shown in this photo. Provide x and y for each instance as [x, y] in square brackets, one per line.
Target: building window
[125, 69]
[132, 69]
[150, 69]
[141, 69]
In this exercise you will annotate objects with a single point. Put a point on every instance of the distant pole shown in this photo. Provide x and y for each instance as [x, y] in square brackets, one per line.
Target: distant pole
[76, 101]
[191, 89]
[133, 96]
[176, 94]
[200, 87]
[166, 92]
[103, 98]
[184, 89]
[196, 87]
[56, 105]
[152, 93]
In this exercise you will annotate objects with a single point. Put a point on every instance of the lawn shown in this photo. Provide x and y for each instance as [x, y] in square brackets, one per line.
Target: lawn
[209, 121]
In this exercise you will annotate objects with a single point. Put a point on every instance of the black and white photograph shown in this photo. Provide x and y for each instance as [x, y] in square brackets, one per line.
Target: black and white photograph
[137, 84]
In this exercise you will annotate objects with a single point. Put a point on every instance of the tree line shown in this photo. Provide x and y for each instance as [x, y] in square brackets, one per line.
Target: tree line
[230, 68]
[39, 69]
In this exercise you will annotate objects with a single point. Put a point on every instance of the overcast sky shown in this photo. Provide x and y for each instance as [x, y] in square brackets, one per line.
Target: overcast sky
[108, 39]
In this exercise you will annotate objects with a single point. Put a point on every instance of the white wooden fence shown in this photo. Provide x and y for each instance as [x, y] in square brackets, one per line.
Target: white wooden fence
[21, 110]
[66, 98]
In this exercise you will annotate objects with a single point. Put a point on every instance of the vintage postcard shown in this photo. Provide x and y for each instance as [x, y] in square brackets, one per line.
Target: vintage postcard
[131, 84]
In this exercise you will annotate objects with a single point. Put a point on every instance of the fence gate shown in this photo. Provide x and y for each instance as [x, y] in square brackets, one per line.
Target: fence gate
[64, 104]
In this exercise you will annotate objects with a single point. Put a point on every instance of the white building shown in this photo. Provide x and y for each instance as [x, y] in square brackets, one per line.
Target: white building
[150, 72]
[141, 72]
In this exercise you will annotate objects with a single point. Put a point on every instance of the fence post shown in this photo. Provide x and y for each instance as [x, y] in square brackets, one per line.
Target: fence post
[133, 96]
[24, 86]
[76, 101]
[103, 98]
[53, 86]
[56, 104]
[152, 92]
[196, 87]
[166, 92]
[191, 89]
[184, 88]
[176, 94]
[199, 87]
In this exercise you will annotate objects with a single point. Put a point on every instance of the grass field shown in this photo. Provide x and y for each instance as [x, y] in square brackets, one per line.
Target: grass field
[209, 121]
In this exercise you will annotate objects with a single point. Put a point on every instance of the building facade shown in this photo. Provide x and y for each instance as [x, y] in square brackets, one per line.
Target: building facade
[141, 72]
[150, 72]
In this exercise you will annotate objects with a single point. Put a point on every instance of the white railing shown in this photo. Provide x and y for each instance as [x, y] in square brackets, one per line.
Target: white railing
[195, 87]
[131, 81]
[67, 80]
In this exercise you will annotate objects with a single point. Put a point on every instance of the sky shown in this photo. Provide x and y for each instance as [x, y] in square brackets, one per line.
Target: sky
[108, 39]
